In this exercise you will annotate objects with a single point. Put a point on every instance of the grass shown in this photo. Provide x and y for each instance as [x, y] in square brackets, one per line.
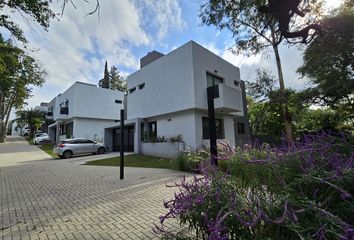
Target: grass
[135, 160]
[48, 148]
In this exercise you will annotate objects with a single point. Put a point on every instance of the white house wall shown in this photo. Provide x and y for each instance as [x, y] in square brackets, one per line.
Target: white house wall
[180, 123]
[86, 100]
[168, 85]
[228, 123]
[91, 128]
[205, 61]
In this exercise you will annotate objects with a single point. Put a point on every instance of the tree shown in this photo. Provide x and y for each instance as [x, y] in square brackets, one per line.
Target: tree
[18, 73]
[104, 82]
[283, 11]
[33, 118]
[116, 81]
[38, 11]
[254, 32]
[329, 64]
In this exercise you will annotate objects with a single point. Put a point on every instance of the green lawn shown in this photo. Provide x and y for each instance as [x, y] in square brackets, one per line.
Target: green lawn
[135, 160]
[48, 148]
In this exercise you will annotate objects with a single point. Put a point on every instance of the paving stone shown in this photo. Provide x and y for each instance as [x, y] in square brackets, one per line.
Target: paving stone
[45, 198]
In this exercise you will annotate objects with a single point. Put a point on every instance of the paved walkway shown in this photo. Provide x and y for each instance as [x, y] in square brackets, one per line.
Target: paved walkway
[46, 198]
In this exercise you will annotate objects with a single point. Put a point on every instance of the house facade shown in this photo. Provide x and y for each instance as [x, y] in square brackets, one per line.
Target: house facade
[167, 108]
[84, 111]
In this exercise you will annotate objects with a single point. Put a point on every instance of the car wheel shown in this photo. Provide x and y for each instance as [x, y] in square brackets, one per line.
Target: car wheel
[101, 150]
[67, 154]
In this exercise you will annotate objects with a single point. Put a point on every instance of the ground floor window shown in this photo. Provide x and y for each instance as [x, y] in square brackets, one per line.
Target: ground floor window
[241, 128]
[152, 130]
[219, 128]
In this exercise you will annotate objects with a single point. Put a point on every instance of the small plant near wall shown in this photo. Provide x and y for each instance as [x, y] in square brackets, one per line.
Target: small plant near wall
[157, 139]
[177, 138]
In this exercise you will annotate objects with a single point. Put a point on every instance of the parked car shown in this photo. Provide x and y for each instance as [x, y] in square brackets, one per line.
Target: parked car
[41, 138]
[78, 146]
[26, 132]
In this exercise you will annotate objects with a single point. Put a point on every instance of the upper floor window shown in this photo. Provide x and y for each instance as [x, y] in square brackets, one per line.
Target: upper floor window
[141, 86]
[213, 80]
[118, 101]
[132, 90]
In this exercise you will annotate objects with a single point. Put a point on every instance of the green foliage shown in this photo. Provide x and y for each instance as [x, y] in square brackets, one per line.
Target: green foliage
[34, 10]
[301, 192]
[117, 81]
[104, 82]
[329, 64]
[18, 73]
[112, 80]
[177, 138]
[34, 118]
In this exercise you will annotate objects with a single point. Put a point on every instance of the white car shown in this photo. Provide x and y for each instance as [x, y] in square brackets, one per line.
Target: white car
[41, 138]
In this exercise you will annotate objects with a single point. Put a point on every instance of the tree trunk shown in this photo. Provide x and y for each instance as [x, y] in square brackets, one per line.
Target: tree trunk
[284, 107]
[2, 132]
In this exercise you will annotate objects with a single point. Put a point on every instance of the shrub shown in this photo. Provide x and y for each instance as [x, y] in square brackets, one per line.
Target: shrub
[300, 192]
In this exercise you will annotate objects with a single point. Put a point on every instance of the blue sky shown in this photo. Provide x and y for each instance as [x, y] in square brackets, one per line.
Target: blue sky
[76, 47]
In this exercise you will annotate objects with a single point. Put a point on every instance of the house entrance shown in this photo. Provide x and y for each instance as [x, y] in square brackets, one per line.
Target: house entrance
[128, 139]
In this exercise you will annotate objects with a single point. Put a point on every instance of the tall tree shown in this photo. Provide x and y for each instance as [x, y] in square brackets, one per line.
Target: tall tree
[254, 32]
[329, 64]
[18, 73]
[33, 118]
[116, 81]
[104, 82]
[38, 11]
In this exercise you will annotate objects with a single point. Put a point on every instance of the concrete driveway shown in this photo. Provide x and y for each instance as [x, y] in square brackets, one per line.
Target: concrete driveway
[46, 198]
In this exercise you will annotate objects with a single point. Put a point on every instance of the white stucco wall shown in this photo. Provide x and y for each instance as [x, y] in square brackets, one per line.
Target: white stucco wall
[205, 61]
[91, 128]
[168, 85]
[87, 100]
[174, 124]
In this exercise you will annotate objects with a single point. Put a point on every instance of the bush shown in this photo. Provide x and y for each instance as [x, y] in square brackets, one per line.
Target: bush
[300, 192]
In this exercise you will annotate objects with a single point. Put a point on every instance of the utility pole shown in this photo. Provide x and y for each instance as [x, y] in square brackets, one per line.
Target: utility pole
[121, 164]
[212, 92]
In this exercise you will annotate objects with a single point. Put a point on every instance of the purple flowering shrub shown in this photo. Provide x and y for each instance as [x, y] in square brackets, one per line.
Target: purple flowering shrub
[300, 192]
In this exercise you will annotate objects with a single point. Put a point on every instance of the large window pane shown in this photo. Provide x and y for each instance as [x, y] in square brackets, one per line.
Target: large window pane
[218, 125]
[213, 80]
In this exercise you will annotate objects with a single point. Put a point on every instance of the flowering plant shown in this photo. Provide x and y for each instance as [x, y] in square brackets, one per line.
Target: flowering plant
[304, 191]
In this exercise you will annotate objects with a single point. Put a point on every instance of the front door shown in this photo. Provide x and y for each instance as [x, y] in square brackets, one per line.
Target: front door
[128, 139]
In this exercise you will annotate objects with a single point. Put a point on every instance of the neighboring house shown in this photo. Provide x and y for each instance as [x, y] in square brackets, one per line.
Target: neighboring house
[167, 98]
[84, 111]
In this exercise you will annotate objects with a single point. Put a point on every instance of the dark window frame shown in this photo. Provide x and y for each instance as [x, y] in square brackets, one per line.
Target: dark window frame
[241, 128]
[214, 77]
[220, 132]
[152, 133]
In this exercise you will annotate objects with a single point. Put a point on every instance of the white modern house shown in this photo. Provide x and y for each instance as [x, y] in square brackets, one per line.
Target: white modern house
[167, 100]
[84, 111]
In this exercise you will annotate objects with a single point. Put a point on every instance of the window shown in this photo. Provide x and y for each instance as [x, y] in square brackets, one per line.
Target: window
[132, 90]
[237, 83]
[152, 130]
[218, 125]
[141, 86]
[213, 80]
[142, 132]
[118, 101]
[241, 128]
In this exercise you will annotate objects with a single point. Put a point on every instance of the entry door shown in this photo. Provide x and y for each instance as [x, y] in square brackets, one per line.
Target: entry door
[128, 139]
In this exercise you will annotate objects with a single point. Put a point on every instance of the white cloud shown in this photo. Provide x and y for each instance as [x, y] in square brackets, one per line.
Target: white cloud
[291, 58]
[166, 15]
[76, 47]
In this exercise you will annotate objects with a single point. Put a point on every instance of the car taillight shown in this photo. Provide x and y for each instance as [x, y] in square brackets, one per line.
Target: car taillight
[61, 145]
